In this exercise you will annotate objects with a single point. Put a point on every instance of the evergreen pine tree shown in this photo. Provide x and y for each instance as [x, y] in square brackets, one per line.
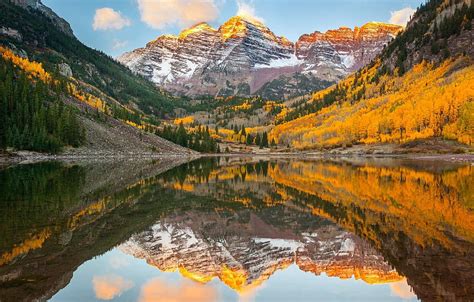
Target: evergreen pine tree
[265, 140]
[249, 139]
[258, 140]
[273, 143]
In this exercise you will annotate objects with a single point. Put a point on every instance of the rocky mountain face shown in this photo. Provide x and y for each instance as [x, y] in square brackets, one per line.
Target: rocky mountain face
[243, 255]
[343, 50]
[37, 5]
[244, 57]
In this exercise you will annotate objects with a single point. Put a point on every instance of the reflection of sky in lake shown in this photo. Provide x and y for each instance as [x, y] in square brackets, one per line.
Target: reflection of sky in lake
[254, 230]
[120, 277]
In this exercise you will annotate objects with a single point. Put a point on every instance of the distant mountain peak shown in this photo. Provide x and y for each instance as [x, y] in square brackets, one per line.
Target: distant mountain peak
[248, 19]
[381, 27]
[238, 26]
[200, 27]
[243, 54]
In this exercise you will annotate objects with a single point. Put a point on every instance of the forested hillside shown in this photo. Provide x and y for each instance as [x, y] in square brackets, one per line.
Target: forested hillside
[40, 111]
[32, 114]
[419, 87]
[44, 42]
[56, 92]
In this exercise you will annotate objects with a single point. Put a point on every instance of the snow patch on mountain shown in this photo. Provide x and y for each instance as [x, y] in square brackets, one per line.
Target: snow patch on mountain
[161, 75]
[281, 243]
[282, 62]
[348, 60]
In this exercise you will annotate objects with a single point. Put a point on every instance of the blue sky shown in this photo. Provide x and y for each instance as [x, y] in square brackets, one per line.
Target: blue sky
[116, 26]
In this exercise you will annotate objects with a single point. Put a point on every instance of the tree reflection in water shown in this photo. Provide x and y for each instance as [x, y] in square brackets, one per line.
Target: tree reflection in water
[241, 220]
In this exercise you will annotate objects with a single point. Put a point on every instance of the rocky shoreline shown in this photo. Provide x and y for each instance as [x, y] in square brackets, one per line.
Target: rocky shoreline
[22, 157]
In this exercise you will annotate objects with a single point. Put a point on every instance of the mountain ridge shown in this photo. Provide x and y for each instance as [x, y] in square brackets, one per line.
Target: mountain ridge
[243, 55]
[62, 24]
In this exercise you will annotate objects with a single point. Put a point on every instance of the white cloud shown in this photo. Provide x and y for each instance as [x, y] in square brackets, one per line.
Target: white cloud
[162, 13]
[118, 44]
[247, 10]
[157, 289]
[402, 290]
[108, 19]
[401, 17]
[110, 286]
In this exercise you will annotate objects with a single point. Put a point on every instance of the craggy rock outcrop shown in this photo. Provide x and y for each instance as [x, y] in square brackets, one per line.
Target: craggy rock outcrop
[48, 12]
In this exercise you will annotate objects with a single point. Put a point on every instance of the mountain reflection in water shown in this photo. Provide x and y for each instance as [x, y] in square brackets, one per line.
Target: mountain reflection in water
[212, 227]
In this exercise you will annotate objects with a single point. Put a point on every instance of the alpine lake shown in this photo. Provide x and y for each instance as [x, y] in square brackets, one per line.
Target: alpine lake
[237, 229]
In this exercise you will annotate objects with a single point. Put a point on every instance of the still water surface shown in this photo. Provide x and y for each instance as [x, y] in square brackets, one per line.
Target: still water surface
[237, 229]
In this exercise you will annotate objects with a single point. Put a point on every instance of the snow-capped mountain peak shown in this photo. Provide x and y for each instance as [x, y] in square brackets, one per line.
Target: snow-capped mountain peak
[243, 54]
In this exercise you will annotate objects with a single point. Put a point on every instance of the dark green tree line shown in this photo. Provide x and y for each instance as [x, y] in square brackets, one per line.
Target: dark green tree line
[32, 114]
[199, 140]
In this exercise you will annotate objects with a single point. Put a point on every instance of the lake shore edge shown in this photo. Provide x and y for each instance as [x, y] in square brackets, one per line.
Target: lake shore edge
[22, 157]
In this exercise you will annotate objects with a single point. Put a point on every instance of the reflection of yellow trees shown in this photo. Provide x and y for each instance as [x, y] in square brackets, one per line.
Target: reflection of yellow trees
[367, 274]
[81, 217]
[426, 207]
[184, 187]
[34, 242]
[95, 208]
[423, 103]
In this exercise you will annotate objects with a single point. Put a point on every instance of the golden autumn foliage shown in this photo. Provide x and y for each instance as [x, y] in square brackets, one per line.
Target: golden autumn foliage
[87, 98]
[428, 101]
[228, 135]
[187, 120]
[270, 105]
[133, 124]
[35, 70]
[93, 209]
[32, 68]
[245, 106]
